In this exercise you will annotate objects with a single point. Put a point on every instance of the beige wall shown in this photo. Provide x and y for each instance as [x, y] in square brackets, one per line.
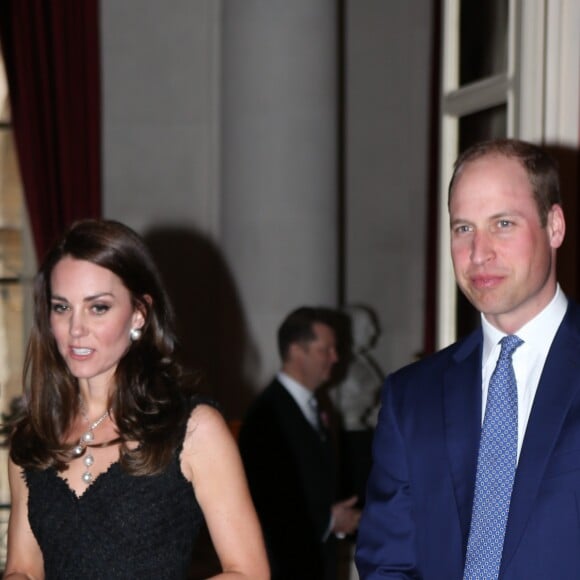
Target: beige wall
[163, 154]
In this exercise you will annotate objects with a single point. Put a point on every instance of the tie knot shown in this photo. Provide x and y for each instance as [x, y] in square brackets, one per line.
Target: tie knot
[509, 344]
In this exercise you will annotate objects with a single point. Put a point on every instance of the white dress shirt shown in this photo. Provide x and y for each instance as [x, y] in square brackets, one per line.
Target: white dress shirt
[302, 396]
[528, 359]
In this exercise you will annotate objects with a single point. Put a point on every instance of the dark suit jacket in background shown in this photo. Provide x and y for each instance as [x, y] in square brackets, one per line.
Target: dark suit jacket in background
[291, 473]
[420, 494]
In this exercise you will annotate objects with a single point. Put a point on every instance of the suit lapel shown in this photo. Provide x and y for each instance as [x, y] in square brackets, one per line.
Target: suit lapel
[462, 408]
[559, 384]
[296, 422]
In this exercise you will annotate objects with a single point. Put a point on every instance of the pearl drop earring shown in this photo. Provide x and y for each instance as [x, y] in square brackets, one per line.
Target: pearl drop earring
[135, 334]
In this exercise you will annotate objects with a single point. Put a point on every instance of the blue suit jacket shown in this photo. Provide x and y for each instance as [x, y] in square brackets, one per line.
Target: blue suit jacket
[417, 513]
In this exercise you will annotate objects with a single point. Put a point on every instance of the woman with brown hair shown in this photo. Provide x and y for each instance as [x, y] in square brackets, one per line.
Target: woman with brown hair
[116, 461]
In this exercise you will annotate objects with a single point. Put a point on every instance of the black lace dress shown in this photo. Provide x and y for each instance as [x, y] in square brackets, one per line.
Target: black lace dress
[122, 527]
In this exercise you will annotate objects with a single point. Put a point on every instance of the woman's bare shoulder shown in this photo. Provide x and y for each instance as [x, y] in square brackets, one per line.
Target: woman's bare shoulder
[202, 418]
[207, 437]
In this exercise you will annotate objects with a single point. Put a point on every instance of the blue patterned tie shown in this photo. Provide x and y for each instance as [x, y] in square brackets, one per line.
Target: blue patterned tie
[496, 467]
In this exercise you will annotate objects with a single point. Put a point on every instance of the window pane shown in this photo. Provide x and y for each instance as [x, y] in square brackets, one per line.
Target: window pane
[14, 291]
[11, 208]
[4, 514]
[483, 39]
[488, 124]
[4, 101]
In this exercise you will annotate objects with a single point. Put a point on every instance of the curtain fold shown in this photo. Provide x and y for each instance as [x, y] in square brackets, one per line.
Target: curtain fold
[51, 54]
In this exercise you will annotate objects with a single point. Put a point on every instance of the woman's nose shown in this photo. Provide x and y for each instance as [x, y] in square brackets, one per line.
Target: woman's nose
[77, 325]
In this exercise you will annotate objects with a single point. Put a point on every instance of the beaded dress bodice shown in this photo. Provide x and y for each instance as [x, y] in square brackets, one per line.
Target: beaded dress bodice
[123, 527]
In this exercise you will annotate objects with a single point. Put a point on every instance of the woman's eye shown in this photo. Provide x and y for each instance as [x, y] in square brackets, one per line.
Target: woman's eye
[58, 307]
[101, 308]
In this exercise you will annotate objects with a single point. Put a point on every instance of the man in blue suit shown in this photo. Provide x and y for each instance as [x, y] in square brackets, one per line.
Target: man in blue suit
[419, 518]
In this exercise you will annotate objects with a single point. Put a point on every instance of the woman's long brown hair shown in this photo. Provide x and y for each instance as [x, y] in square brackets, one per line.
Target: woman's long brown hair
[150, 401]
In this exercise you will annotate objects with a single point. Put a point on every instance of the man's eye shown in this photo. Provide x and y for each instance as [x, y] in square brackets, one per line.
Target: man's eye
[462, 229]
[504, 224]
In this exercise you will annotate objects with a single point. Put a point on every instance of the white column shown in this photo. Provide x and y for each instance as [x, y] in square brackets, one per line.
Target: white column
[279, 155]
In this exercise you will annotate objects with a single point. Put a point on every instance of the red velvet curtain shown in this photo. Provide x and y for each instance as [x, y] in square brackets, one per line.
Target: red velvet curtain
[51, 53]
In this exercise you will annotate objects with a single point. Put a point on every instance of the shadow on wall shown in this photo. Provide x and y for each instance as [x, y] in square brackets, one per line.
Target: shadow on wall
[350, 400]
[569, 255]
[210, 322]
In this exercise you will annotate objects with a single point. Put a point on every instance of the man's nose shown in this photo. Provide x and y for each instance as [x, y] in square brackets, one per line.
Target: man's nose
[481, 248]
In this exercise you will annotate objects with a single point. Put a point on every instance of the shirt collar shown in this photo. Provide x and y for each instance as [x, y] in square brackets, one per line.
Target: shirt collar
[537, 333]
[299, 392]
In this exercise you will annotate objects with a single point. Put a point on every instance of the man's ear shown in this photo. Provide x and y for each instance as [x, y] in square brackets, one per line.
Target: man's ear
[556, 225]
[296, 350]
[293, 351]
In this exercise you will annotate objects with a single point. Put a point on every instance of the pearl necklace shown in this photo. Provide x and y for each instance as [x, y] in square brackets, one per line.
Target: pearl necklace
[86, 439]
